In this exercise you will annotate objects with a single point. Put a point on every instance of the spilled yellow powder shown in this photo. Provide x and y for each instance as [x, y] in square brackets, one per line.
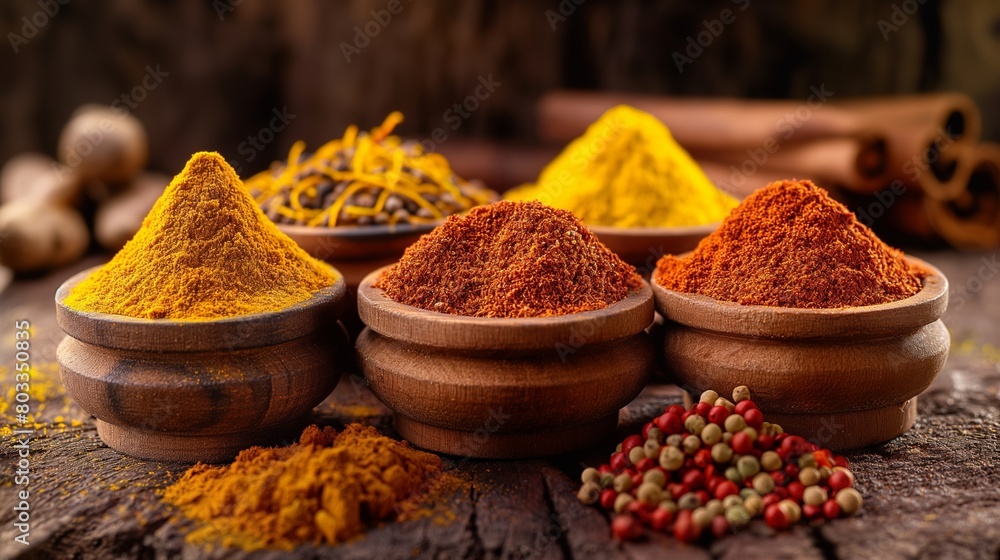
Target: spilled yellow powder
[205, 251]
[628, 171]
[327, 488]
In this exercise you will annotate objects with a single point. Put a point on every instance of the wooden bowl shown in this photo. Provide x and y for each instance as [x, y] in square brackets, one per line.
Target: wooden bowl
[504, 388]
[356, 251]
[642, 247]
[842, 377]
[201, 390]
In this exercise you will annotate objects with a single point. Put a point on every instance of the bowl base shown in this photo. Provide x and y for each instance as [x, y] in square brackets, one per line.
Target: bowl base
[482, 444]
[850, 430]
[187, 448]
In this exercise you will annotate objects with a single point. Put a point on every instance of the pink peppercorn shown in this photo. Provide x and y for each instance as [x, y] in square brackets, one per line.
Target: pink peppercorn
[619, 462]
[775, 518]
[661, 518]
[718, 415]
[839, 480]
[743, 406]
[726, 488]
[608, 496]
[753, 417]
[741, 442]
[694, 479]
[831, 509]
[669, 424]
[625, 528]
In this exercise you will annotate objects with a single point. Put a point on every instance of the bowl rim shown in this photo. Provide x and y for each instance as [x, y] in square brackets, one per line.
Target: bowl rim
[706, 313]
[423, 327]
[638, 232]
[196, 335]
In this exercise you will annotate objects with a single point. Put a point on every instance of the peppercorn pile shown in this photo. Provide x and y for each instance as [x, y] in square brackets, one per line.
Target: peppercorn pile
[791, 245]
[364, 179]
[509, 259]
[711, 469]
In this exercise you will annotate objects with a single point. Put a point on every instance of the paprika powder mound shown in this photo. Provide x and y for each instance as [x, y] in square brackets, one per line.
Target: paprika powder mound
[205, 251]
[509, 259]
[791, 245]
[327, 488]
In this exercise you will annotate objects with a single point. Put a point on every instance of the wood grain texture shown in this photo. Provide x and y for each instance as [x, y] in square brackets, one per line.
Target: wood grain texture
[851, 367]
[504, 388]
[231, 333]
[421, 327]
[930, 493]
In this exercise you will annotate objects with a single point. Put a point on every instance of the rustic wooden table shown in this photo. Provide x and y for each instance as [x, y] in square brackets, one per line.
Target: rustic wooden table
[932, 493]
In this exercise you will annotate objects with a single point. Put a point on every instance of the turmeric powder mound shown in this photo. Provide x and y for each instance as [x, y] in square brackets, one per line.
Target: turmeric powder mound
[205, 251]
[325, 489]
[628, 171]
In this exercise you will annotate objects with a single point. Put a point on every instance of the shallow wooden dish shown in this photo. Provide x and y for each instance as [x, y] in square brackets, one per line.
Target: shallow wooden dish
[201, 390]
[810, 366]
[642, 247]
[504, 388]
[356, 251]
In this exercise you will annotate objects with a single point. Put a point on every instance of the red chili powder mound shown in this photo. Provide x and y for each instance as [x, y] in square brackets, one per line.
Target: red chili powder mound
[509, 259]
[791, 245]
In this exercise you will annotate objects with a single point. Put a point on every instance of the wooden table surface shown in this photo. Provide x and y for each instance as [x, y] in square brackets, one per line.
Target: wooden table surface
[932, 493]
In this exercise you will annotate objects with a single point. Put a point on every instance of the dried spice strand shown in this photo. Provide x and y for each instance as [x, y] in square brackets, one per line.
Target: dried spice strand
[509, 259]
[791, 245]
[325, 489]
[205, 251]
[627, 170]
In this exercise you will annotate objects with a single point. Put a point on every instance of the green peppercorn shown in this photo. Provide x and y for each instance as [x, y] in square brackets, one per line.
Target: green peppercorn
[738, 516]
[849, 500]
[695, 424]
[770, 461]
[655, 476]
[814, 495]
[607, 480]
[715, 507]
[589, 493]
[649, 493]
[748, 466]
[709, 396]
[590, 474]
[701, 517]
[711, 434]
[735, 423]
[747, 492]
[636, 454]
[807, 460]
[763, 483]
[724, 402]
[722, 453]
[754, 505]
[733, 474]
[671, 458]
[622, 502]
[623, 483]
[732, 500]
[689, 501]
[691, 444]
[809, 476]
[675, 440]
[741, 393]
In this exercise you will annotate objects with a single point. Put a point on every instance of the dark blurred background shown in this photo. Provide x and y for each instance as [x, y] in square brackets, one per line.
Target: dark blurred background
[221, 69]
